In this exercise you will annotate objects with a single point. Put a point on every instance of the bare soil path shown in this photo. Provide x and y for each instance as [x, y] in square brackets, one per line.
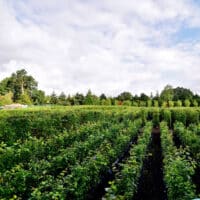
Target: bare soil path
[151, 185]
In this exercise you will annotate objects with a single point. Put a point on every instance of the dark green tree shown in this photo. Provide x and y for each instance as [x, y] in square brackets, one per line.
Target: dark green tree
[79, 99]
[103, 96]
[182, 94]
[38, 97]
[125, 96]
[143, 97]
[19, 83]
[136, 98]
[53, 98]
[167, 93]
[91, 99]
[196, 97]
[62, 99]
[22, 83]
[6, 86]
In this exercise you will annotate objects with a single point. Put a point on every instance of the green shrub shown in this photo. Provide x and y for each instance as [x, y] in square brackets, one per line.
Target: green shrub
[149, 103]
[156, 117]
[6, 99]
[179, 115]
[127, 103]
[166, 116]
[144, 115]
[106, 102]
[135, 103]
[155, 103]
[178, 179]
[178, 168]
[171, 104]
[164, 104]
[187, 103]
[25, 99]
[195, 103]
[178, 103]
[142, 103]
[192, 116]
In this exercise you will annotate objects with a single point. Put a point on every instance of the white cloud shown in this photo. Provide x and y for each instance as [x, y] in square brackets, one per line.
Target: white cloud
[108, 46]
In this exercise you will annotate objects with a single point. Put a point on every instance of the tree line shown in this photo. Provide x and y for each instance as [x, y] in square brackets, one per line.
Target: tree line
[23, 88]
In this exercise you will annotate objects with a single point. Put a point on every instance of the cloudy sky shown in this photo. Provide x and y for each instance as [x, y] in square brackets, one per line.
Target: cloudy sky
[108, 46]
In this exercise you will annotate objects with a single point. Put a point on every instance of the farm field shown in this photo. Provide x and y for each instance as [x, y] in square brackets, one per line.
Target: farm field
[100, 152]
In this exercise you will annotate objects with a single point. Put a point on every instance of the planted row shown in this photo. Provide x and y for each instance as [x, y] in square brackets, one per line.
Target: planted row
[20, 125]
[126, 181]
[170, 115]
[37, 148]
[87, 174]
[189, 137]
[23, 178]
[178, 168]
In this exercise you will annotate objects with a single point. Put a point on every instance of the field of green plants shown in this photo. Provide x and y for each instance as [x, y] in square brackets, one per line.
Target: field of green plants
[93, 152]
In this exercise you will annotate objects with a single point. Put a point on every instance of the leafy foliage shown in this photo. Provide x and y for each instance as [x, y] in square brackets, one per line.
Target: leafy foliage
[125, 184]
[178, 168]
[167, 94]
[64, 153]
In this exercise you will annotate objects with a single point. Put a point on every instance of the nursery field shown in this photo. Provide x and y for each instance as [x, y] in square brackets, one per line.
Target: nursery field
[100, 152]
